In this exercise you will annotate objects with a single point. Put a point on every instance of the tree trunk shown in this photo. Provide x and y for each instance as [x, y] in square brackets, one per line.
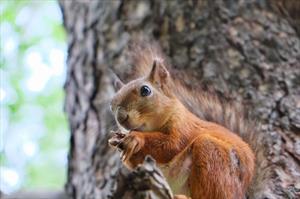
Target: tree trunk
[249, 49]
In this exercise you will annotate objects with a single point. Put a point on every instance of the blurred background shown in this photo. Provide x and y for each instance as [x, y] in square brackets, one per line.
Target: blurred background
[246, 50]
[33, 134]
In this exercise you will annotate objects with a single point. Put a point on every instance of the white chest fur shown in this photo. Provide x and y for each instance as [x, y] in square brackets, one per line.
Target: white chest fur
[177, 172]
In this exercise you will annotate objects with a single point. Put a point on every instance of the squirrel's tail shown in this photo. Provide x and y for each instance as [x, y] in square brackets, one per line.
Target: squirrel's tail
[208, 106]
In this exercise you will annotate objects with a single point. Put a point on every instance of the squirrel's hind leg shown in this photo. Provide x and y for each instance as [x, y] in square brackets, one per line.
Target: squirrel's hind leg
[211, 176]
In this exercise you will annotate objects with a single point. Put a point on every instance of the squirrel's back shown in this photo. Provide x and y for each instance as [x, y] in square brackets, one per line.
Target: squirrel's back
[205, 104]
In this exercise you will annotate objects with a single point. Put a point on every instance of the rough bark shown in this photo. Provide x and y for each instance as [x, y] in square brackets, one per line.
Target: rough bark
[249, 49]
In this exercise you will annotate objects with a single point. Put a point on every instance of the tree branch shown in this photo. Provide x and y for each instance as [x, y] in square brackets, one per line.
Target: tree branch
[147, 181]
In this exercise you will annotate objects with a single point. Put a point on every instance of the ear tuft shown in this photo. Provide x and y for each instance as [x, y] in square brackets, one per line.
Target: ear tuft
[118, 84]
[153, 70]
[159, 73]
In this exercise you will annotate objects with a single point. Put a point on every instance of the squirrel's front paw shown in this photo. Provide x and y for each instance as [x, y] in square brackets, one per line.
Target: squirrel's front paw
[116, 139]
[130, 145]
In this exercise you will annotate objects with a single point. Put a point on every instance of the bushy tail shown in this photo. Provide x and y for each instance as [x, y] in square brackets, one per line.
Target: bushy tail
[208, 106]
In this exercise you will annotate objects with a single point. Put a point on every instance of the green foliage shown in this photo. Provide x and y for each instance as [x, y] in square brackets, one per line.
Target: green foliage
[35, 134]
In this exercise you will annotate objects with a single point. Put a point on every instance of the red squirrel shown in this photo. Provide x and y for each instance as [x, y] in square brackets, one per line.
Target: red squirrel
[200, 159]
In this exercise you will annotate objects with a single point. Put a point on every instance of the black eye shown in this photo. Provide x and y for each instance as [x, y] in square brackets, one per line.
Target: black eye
[145, 91]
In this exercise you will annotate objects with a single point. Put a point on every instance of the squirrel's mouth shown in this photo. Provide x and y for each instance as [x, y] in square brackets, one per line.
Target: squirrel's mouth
[139, 128]
[129, 127]
[126, 124]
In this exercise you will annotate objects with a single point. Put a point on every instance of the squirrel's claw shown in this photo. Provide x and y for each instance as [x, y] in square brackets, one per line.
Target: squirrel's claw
[116, 139]
[114, 142]
[129, 146]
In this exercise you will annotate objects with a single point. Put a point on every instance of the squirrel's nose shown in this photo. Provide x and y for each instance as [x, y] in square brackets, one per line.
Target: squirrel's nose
[121, 115]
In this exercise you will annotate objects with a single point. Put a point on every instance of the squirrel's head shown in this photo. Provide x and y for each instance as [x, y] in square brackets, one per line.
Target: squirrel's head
[144, 104]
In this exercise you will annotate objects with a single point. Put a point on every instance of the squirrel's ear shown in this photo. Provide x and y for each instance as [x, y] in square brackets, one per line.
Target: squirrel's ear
[118, 84]
[159, 73]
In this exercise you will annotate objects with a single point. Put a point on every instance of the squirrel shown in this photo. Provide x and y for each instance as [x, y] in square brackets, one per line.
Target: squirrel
[199, 150]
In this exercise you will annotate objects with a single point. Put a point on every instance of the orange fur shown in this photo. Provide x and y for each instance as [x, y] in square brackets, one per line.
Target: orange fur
[210, 160]
[214, 173]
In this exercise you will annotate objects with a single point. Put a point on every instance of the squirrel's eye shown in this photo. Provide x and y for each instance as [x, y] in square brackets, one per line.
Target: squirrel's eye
[145, 91]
